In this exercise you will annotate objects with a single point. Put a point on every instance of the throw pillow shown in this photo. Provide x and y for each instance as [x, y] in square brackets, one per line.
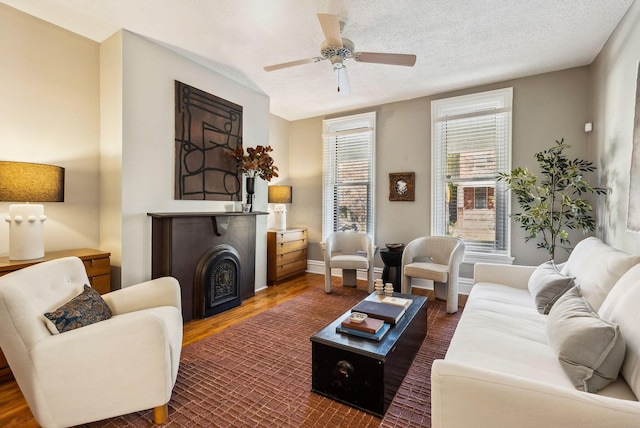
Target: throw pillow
[547, 284]
[589, 348]
[86, 308]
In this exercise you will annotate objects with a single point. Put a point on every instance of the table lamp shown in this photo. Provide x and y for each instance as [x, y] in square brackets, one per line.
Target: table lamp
[280, 195]
[28, 182]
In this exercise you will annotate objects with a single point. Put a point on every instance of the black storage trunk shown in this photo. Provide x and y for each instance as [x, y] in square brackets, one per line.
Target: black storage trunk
[363, 373]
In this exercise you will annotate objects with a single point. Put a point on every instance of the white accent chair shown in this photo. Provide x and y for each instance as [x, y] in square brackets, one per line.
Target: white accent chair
[348, 251]
[436, 258]
[121, 365]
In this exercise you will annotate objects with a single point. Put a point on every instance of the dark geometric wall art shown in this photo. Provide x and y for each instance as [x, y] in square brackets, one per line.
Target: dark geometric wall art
[208, 128]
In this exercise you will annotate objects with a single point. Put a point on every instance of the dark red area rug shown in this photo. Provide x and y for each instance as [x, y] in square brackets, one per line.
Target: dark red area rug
[258, 373]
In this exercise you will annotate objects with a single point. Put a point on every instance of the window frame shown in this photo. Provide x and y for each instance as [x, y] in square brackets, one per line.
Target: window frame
[496, 102]
[332, 130]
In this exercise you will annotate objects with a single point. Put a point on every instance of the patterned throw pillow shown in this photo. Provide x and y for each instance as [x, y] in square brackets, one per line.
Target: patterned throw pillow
[86, 308]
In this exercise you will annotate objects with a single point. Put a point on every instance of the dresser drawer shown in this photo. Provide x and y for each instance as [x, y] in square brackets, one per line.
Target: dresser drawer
[289, 268]
[101, 283]
[287, 247]
[97, 267]
[292, 256]
[293, 235]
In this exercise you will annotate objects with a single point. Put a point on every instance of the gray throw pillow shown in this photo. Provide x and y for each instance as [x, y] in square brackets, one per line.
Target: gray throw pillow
[547, 284]
[589, 348]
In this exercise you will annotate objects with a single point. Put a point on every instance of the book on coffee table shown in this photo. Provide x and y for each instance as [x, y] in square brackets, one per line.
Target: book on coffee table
[384, 311]
[399, 301]
[369, 325]
[373, 336]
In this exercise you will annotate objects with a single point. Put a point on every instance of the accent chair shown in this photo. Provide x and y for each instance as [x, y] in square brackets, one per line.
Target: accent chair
[119, 363]
[348, 251]
[435, 258]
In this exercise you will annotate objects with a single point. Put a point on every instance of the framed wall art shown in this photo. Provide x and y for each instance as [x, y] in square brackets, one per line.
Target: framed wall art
[402, 186]
[207, 130]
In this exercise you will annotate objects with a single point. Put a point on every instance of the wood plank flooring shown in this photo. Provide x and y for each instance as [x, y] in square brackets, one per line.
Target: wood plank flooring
[15, 413]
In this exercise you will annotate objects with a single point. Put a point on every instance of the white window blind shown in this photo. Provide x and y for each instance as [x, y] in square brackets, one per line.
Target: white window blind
[348, 174]
[471, 144]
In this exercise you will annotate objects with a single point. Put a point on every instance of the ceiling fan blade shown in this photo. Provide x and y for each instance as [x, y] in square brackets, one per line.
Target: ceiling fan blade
[386, 58]
[331, 29]
[292, 63]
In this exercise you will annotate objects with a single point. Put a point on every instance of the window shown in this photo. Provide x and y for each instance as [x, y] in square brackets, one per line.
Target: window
[471, 143]
[348, 174]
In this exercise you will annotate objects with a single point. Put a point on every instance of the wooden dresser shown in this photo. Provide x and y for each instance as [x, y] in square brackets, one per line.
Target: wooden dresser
[98, 266]
[286, 254]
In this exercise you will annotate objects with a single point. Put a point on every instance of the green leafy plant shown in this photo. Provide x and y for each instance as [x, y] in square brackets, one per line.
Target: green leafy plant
[256, 162]
[554, 203]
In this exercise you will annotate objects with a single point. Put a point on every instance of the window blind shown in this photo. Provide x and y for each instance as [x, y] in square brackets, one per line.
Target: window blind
[471, 140]
[348, 174]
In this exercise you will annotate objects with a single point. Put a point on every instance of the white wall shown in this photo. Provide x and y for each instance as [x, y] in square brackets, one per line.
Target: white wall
[614, 75]
[111, 152]
[49, 81]
[147, 143]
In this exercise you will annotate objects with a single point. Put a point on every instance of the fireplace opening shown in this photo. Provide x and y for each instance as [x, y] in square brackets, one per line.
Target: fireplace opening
[217, 286]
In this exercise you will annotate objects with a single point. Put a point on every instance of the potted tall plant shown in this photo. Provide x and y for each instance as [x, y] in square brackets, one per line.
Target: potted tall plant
[256, 162]
[554, 203]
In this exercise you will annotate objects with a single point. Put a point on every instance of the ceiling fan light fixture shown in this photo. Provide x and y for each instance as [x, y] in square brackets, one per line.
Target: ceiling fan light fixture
[342, 78]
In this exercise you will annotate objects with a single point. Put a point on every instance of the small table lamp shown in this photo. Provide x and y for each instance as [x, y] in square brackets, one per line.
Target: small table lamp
[29, 182]
[280, 195]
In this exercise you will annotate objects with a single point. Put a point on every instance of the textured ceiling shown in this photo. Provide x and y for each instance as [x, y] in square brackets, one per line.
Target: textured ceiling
[458, 43]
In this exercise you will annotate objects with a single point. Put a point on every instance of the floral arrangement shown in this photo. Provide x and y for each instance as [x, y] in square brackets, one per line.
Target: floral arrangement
[256, 162]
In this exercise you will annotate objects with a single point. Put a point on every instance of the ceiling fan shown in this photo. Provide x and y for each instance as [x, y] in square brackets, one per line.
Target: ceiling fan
[337, 49]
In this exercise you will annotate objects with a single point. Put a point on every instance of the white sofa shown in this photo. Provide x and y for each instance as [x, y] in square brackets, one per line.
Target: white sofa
[500, 369]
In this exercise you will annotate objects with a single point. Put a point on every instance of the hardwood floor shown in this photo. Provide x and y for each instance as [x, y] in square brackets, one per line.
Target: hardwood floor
[15, 413]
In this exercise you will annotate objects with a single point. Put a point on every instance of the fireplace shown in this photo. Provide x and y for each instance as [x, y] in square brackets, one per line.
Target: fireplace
[212, 255]
[217, 280]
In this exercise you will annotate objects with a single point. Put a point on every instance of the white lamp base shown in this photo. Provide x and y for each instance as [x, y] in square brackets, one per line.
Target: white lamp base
[280, 217]
[26, 231]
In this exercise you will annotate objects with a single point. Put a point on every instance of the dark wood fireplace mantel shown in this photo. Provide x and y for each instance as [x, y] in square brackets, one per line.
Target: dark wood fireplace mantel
[180, 240]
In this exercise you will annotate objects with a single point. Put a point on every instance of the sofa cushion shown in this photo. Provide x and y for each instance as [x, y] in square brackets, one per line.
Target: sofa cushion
[349, 262]
[621, 307]
[427, 270]
[590, 349]
[500, 330]
[547, 284]
[596, 267]
[86, 308]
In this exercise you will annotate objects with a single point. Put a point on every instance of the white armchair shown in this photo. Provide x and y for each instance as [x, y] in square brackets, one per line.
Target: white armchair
[348, 251]
[121, 365]
[438, 259]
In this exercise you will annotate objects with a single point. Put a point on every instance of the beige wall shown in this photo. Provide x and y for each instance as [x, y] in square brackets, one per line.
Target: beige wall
[614, 75]
[49, 81]
[55, 83]
[545, 108]
[105, 113]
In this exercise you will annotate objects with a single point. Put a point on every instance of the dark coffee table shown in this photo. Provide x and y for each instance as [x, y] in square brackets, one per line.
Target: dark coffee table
[364, 373]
